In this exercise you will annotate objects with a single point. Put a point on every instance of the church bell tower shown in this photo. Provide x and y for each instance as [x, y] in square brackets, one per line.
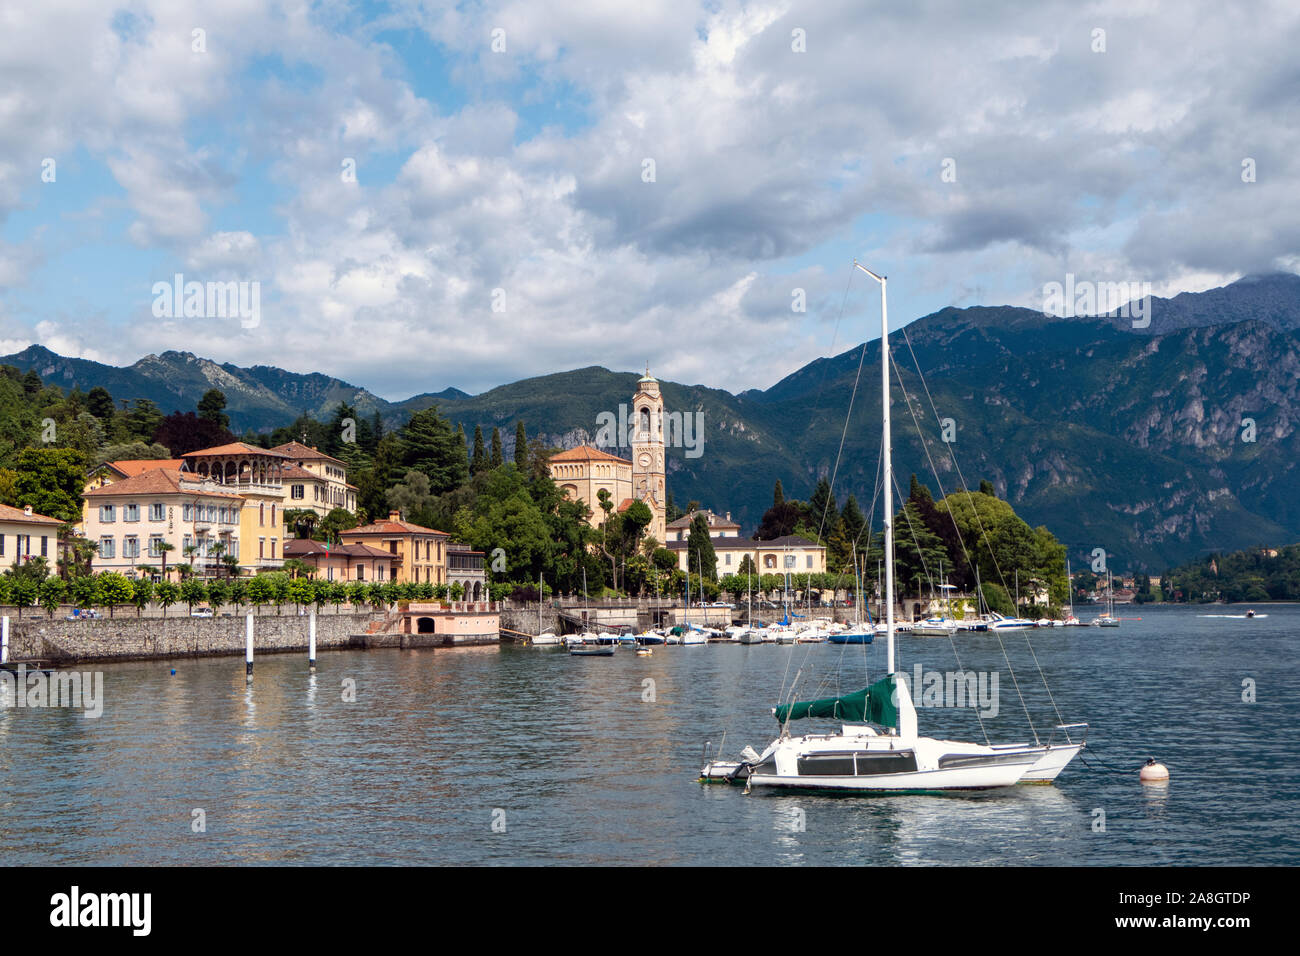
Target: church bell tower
[648, 453]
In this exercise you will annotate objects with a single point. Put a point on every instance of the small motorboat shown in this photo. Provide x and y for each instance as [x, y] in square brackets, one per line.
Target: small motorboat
[853, 637]
[935, 627]
[592, 650]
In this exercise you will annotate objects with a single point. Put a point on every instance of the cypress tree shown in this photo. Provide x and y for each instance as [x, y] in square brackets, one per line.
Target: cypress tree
[822, 511]
[479, 461]
[497, 459]
[429, 445]
[700, 552]
[521, 447]
[778, 495]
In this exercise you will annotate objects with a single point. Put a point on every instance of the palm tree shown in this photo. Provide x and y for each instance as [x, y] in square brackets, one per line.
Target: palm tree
[216, 550]
[163, 548]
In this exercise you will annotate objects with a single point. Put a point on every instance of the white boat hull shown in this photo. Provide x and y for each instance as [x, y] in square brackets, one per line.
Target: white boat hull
[923, 764]
[1051, 763]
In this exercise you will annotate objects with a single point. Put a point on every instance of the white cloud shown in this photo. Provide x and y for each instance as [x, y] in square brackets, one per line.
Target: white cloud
[768, 164]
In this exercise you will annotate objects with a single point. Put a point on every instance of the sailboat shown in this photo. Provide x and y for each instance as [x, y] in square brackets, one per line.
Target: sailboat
[1071, 620]
[885, 752]
[859, 633]
[589, 643]
[544, 637]
[1108, 619]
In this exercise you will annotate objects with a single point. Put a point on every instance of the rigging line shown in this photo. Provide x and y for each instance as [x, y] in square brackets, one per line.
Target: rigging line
[953, 455]
[912, 531]
[1006, 657]
[960, 668]
[848, 417]
[821, 527]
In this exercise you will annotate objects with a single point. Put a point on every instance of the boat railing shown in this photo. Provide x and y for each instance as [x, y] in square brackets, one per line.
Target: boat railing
[1066, 728]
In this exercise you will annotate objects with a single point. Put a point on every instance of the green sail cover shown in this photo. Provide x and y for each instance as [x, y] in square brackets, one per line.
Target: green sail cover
[874, 704]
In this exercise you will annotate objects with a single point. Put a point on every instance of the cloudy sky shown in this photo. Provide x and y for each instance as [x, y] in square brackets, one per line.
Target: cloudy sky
[541, 186]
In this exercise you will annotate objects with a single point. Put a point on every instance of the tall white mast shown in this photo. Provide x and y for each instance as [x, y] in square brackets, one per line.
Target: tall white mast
[887, 463]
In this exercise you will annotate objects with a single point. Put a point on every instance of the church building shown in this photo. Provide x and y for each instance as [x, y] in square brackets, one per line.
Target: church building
[583, 472]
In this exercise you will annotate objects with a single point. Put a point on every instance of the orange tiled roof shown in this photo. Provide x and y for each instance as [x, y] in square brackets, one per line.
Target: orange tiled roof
[296, 449]
[157, 481]
[235, 448]
[715, 521]
[17, 514]
[297, 473]
[391, 527]
[587, 453]
[129, 469]
[305, 547]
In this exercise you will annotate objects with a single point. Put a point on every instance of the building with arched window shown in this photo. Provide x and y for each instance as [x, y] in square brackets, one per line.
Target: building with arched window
[584, 472]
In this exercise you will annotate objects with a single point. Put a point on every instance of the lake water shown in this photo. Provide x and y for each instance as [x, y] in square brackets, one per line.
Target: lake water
[505, 755]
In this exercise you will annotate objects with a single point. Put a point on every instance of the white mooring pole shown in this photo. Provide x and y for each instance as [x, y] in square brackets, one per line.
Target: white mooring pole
[311, 640]
[4, 640]
[248, 647]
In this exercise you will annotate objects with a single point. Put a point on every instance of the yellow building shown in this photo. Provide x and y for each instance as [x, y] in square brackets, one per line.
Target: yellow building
[421, 552]
[257, 476]
[315, 480]
[790, 553]
[583, 472]
[25, 535]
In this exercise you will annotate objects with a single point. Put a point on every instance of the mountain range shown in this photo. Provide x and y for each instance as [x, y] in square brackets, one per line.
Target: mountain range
[1134, 440]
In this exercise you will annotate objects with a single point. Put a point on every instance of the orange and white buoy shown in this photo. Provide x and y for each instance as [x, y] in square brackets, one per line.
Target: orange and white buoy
[1153, 772]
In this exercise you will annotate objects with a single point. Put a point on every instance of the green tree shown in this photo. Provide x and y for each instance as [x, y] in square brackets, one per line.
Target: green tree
[212, 408]
[164, 548]
[338, 594]
[238, 593]
[143, 420]
[35, 570]
[23, 592]
[166, 594]
[112, 589]
[521, 447]
[218, 594]
[81, 590]
[301, 521]
[100, 404]
[479, 462]
[300, 592]
[822, 511]
[429, 445]
[260, 591]
[193, 592]
[413, 497]
[918, 551]
[496, 459]
[335, 523]
[699, 547]
[51, 592]
[50, 481]
[142, 593]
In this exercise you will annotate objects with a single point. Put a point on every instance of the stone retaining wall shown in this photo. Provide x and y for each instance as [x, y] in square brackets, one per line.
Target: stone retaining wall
[124, 639]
